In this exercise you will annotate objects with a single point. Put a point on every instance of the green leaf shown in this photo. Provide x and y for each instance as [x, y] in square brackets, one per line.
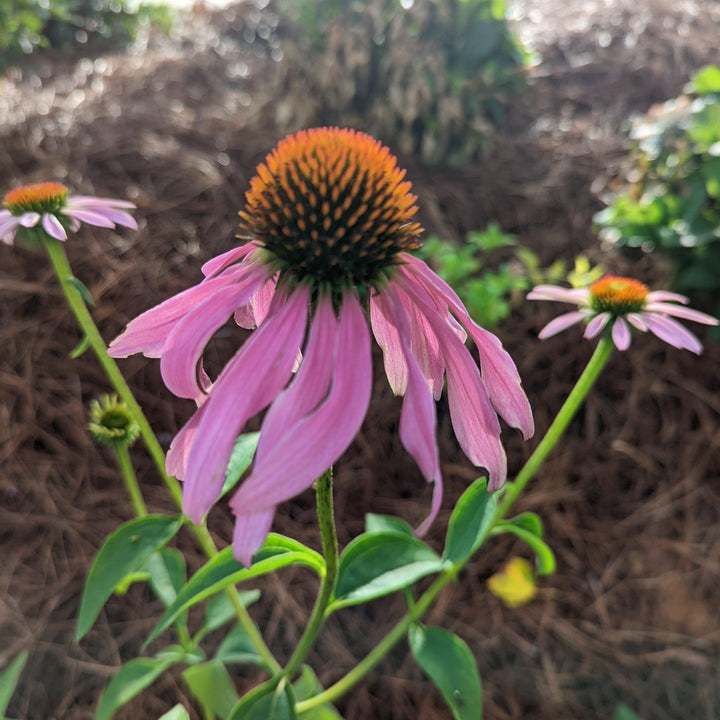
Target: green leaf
[705, 81]
[177, 713]
[470, 522]
[211, 685]
[240, 460]
[545, 558]
[131, 679]
[223, 570]
[220, 610]
[377, 564]
[273, 700]
[623, 712]
[9, 679]
[125, 551]
[166, 574]
[80, 348]
[237, 648]
[528, 521]
[82, 290]
[307, 686]
[386, 524]
[448, 662]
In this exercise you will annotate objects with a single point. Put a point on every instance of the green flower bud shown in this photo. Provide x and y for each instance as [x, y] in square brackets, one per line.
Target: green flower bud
[111, 423]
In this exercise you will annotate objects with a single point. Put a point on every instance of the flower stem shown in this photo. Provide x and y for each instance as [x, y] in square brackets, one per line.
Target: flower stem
[557, 428]
[131, 484]
[416, 611]
[59, 259]
[326, 518]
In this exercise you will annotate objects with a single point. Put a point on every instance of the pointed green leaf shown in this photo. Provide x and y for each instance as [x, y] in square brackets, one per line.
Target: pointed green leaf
[623, 712]
[131, 679]
[223, 570]
[470, 522]
[9, 679]
[545, 558]
[211, 685]
[125, 551]
[177, 713]
[448, 662]
[307, 686]
[82, 290]
[240, 460]
[273, 700]
[377, 564]
[529, 521]
[237, 648]
[166, 574]
[387, 524]
[80, 348]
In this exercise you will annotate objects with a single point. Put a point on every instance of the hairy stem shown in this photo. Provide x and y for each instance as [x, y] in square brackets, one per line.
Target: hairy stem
[326, 518]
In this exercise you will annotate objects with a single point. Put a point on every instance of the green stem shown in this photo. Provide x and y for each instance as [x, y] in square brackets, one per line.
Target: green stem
[557, 428]
[415, 612]
[59, 259]
[131, 484]
[326, 518]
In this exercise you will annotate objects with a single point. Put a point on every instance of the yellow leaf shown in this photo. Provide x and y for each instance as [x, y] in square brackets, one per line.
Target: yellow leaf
[514, 584]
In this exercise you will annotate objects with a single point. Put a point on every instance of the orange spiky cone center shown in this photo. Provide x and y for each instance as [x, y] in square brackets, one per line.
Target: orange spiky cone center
[331, 208]
[38, 197]
[618, 295]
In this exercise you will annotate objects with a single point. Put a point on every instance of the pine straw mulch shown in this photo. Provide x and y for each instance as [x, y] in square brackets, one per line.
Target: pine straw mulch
[631, 500]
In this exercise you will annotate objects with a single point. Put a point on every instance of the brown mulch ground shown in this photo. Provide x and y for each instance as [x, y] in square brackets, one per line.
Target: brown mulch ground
[631, 500]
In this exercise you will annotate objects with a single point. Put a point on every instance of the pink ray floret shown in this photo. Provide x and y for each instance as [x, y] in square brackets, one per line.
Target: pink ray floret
[621, 304]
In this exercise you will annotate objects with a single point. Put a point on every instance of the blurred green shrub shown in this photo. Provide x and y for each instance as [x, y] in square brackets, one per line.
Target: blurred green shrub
[490, 295]
[428, 77]
[64, 25]
[672, 202]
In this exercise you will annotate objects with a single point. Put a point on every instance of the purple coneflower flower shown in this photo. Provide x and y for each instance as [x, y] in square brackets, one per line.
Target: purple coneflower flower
[619, 303]
[51, 205]
[328, 221]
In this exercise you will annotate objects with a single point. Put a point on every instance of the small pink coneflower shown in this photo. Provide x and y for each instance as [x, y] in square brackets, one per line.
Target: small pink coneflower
[619, 303]
[328, 220]
[50, 205]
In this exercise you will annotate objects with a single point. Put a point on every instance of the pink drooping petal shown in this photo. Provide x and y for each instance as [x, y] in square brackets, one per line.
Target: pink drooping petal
[417, 419]
[499, 373]
[185, 344]
[220, 262]
[250, 533]
[181, 445]
[247, 384]
[636, 320]
[577, 296]
[29, 219]
[473, 417]
[387, 337]
[560, 323]
[7, 229]
[91, 217]
[118, 217]
[672, 332]
[148, 332]
[666, 296]
[310, 385]
[252, 314]
[94, 203]
[621, 334]
[425, 347]
[53, 227]
[596, 325]
[314, 443]
[681, 312]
